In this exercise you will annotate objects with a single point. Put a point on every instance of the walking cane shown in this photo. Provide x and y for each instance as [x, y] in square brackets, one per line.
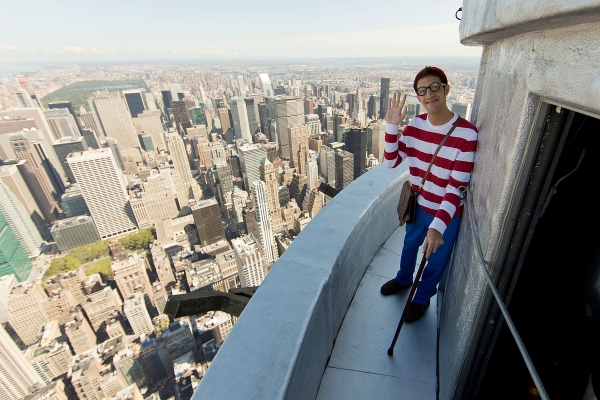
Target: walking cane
[413, 289]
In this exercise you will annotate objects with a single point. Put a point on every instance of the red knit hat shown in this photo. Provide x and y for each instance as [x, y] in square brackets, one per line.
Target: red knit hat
[430, 71]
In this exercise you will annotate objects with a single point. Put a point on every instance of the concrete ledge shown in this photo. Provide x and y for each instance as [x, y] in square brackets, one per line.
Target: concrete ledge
[280, 346]
[483, 23]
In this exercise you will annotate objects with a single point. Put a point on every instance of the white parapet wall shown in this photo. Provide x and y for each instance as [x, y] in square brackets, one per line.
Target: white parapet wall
[280, 346]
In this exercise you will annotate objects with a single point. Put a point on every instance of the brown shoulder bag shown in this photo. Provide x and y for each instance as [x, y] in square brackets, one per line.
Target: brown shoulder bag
[407, 204]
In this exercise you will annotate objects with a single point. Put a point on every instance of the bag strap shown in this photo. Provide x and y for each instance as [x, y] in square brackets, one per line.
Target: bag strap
[454, 125]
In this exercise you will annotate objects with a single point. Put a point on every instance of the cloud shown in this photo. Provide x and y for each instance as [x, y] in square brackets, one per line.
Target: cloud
[73, 49]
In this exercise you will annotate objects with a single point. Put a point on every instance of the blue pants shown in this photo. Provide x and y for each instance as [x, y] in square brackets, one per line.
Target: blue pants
[415, 235]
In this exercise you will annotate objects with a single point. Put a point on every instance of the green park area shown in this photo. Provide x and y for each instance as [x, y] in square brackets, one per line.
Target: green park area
[95, 257]
[79, 92]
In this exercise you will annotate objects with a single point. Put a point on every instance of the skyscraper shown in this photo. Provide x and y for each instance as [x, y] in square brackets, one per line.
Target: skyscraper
[271, 179]
[135, 102]
[150, 122]
[207, 218]
[286, 111]
[356, 143]
[36, 177]
[25, 313]
[383, 99]
[251, 262]
[263, 221]
[137, 314]
[11, 177]
[225, 118]
[297, 136]
[22, 226]
[68, 106]
[13, 258]
[18, 376]
[377, 139]
[344, 168]
[104, 190]
[131, 276]
[265, 84]
[250, 158]
[112, 113]
[253, 119]
[181, 116]
[62, 123]
[89, 120]
[66, 145]
[239, 114]
[371, 107]
[186, 187]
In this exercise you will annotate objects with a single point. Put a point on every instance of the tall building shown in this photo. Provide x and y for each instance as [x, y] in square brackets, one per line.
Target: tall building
[377, 133]
[100, 306]
[17, 218]
[112, 113]
[383, 99]
[66, 105]
[371, 107]
[269, 176]
[356, 143]
[250, 157]
[66, 145]
[62, 123]
[207, 218]
[313, 124]
[186, 187]
[239, 115]
[297, 136]
[285, 111]
[19, 379]
[51, 360]
[137, 314]
[344, 168]
[58, 308]
[250, 259]
[151, 123]
[162, 266]
[90, 138]
[135, 102]
[327, 165]
[72, 202]
[157, 199]
[166, 99]
[181, 116]
[11, 177]
[266, 235]
[104, 190]
[74, 232]
[265, 84]
[81, 335]
[131, 276]
[13, 258]
[225, 118]
[36, 175]
[25, 313]
[251, 110]
[90, 121]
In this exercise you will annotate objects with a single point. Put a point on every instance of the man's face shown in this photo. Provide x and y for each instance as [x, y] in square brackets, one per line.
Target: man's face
[434, 102]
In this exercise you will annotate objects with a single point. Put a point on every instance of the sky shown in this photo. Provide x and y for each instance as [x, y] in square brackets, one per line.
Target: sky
[42, 30]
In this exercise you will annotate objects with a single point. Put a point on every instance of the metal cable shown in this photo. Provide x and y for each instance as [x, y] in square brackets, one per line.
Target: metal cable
[532, 371]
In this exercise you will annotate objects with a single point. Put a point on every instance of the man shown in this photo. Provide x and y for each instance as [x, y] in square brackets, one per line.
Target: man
[439, 205]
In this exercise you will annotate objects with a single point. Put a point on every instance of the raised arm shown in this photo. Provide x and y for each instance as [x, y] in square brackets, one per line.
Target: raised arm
[392, 153]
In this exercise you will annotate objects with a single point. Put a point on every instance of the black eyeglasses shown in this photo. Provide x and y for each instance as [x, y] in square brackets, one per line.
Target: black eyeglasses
[434, 87]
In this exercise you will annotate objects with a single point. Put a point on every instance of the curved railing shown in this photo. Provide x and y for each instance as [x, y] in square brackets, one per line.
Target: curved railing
[279, 347]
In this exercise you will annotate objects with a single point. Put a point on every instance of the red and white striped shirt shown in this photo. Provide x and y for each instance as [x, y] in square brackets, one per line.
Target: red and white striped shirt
[451, 169]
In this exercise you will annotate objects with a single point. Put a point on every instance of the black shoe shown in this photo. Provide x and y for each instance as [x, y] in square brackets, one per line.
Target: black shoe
[415, 311]
[393, 287]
